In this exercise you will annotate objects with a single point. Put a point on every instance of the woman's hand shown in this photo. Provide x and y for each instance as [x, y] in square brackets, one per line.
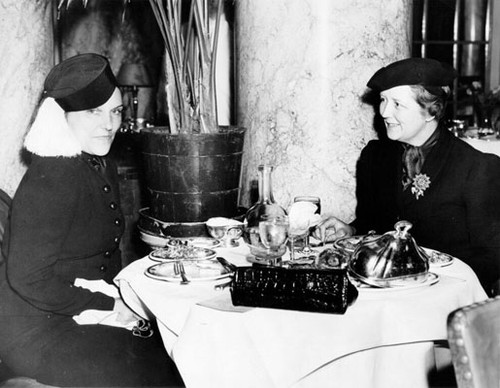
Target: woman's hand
[124, 314]
[331, 229]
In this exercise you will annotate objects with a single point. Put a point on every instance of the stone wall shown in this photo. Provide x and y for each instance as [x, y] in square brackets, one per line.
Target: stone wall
[26, 56]
[302, 67]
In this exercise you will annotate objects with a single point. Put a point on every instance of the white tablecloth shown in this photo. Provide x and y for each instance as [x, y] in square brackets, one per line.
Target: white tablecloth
[383, 340]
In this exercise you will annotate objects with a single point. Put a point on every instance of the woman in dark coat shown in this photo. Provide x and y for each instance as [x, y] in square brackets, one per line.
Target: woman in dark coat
[448, 190]
[65, 227]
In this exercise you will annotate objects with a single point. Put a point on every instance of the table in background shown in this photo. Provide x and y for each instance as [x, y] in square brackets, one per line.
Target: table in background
[385, 339]
[491, 146]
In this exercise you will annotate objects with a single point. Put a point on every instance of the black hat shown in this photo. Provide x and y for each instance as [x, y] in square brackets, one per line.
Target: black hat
[413, 71]
[81, 82]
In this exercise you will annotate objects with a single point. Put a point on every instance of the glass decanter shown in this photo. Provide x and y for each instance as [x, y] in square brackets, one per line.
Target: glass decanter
[265, 206]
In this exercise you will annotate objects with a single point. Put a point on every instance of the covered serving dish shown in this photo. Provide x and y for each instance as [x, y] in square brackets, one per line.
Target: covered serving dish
[394, 259]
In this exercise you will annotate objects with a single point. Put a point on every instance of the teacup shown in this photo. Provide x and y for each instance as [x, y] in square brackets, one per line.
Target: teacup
[227, 230]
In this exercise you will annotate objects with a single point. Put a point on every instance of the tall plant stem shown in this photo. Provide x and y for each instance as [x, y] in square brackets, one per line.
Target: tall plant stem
[213, 67]
[161, 19]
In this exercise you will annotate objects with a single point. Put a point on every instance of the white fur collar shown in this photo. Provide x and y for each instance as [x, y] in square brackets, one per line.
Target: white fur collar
[50, 134]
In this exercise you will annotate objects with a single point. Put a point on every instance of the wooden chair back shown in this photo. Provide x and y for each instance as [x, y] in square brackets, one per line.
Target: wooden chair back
[474, 339]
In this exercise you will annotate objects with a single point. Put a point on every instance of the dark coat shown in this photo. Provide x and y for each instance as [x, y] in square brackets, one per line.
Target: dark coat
[65, 223]
[458, 214]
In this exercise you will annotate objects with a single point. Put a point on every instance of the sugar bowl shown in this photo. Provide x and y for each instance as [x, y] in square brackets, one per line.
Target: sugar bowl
[227, 230]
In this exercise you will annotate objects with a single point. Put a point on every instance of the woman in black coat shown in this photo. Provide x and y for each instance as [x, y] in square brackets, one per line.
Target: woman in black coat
[448, 190]
[64, 230]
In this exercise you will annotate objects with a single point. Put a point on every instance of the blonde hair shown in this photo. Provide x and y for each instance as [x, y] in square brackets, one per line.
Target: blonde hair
[432, 98]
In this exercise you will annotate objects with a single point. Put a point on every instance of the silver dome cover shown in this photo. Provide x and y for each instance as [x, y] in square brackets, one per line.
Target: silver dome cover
[391, 260]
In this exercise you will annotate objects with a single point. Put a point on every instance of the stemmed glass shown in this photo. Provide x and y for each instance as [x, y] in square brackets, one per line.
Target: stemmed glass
[307, 250]
[273, 231]
[293, 235]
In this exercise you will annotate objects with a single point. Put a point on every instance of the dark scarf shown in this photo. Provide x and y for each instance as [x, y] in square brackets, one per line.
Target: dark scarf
[414, 158]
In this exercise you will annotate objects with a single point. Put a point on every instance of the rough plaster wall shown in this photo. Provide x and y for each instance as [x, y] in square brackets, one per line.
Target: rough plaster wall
[25, 59]
[302, 69]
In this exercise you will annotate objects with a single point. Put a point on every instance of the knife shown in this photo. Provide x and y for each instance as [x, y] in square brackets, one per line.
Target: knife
[230, 267]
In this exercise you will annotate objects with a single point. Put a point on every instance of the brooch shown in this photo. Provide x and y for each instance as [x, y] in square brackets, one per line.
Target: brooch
[421, 182]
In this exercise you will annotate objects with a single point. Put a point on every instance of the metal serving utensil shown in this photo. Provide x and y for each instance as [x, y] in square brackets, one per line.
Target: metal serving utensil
[230, 267]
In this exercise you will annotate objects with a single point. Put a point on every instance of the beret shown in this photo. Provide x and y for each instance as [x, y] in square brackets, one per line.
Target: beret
[413, 71]
[81, 82]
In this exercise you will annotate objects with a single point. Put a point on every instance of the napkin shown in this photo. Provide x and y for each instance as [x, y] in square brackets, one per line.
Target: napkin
[100, 317]
[98, 286]
[301, 217]
[222, 221]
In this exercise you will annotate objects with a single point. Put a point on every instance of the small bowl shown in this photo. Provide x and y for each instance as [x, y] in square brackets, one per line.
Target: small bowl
[157, 227]
[227, 230]
[154, 241]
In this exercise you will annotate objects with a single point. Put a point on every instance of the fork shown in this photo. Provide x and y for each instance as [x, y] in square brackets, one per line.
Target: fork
[181, 271]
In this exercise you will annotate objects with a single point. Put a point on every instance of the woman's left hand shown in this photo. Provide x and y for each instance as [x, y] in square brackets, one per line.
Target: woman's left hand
[124, 314]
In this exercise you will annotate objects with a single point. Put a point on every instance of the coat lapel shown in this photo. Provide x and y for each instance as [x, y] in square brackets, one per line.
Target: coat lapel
[438, 156]
[398, 173]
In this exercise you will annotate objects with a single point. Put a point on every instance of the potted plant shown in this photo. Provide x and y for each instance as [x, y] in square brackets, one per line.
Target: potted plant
[192, 167]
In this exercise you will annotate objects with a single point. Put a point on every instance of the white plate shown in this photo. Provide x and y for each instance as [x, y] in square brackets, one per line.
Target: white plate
[184, 253]
[432, 278]
[200, 242]
[438, 259]
[195, 272]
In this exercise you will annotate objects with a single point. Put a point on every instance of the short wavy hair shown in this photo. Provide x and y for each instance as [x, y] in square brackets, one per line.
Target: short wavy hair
[432, 98]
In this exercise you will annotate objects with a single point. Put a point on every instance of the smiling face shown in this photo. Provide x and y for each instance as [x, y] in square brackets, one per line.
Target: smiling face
[96, 128]
[406, 121]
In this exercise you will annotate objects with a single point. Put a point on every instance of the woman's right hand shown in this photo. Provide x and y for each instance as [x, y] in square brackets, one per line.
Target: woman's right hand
[331, 229]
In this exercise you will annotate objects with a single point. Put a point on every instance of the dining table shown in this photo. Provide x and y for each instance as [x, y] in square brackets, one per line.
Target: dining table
[386, 338]
[488, 145]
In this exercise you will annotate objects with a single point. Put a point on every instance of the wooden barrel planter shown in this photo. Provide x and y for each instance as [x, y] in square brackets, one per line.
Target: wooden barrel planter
[191, 178]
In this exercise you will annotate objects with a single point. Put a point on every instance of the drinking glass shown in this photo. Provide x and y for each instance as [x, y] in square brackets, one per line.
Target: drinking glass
[293, 235]
[273, 231]
[307, 250]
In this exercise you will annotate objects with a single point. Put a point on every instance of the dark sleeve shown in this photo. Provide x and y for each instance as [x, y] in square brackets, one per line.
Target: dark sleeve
[364, 190]
[376, 184]
[376, 207]
[42, 213]
[482, 198]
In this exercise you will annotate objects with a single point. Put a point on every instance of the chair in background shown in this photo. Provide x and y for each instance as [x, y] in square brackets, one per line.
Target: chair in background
[5, 202]
[474, 339]
[7, 379]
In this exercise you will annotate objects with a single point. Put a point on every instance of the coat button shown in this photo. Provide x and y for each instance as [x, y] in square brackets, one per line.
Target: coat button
[117, 240]
[113, 205]
[118, 222]
[107, 254]
[106, 188]
[103, 268]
